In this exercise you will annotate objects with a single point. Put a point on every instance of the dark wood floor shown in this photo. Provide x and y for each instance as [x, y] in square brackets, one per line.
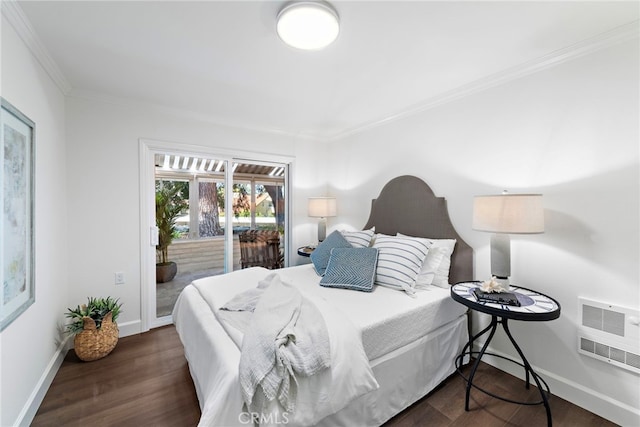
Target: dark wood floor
[145, 381]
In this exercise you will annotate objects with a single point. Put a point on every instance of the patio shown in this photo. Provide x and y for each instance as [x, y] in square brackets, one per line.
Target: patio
[196, 259]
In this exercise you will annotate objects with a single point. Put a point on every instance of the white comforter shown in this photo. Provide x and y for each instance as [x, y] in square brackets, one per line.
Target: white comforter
[349, 376]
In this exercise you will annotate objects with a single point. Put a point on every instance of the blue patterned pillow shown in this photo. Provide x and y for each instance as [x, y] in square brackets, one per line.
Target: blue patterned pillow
[399, 261]
[351, 268]
[320, 256]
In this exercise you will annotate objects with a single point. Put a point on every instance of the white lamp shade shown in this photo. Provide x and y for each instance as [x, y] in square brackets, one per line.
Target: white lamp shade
[322, 207]
[308, 25]
[509, 213]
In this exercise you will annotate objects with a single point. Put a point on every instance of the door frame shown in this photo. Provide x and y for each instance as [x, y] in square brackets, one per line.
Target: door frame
[147, 150]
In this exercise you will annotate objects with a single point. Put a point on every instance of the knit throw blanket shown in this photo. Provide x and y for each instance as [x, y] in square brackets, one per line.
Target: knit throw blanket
[286, 338]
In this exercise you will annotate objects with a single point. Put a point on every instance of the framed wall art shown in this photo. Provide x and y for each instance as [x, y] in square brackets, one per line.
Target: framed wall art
[17, 179]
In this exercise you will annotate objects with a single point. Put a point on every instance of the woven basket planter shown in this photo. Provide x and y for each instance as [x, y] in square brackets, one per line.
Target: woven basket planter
[92, 343]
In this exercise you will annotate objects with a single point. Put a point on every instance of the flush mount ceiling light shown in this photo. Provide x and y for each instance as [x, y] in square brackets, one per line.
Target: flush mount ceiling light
[308, 25]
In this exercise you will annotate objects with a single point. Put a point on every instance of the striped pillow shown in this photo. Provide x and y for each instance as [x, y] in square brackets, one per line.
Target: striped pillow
[359, 239]
[399, 261]
[351, 268]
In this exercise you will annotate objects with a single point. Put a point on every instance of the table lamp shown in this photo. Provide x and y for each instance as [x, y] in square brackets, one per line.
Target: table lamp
[503, 215]
[322, 207]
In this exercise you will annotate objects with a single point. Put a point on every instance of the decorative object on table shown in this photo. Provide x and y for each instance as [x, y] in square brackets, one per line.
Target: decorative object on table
[508, 298]
[308, 25]
[503, 215]
[16, 232]
[95, 328]
[322, 207]
[494, 285]
[306, 251]
[170, 204]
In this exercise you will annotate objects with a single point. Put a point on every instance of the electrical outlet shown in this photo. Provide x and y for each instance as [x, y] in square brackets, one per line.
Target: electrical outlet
[119, 278]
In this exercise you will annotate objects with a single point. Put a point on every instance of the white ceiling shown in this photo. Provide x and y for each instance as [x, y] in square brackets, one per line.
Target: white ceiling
[222, 60]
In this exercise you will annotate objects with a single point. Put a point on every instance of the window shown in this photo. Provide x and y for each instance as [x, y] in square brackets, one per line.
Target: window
[258, 195]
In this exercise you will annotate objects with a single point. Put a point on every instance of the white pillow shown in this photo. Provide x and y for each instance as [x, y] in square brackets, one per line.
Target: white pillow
[435, 269]
[358, 239]
[442, 273]
[429, 268]
[399, 261]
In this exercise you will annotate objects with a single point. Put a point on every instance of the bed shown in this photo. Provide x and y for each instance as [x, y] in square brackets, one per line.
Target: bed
[408, 342]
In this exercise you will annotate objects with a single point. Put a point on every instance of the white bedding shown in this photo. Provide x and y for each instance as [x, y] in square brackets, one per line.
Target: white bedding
[389, 319]
[429, 329]
[325, 393]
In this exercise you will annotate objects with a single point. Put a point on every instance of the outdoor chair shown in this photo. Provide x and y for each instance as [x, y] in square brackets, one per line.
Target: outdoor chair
[260, 248]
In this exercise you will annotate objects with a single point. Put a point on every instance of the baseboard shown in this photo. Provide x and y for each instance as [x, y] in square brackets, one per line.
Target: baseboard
[162, 321]
[129, 328]
[589, 399]
[135, 327]
[30, 408]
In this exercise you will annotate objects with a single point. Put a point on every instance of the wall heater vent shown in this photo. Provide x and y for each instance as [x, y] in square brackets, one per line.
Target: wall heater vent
[610, 333]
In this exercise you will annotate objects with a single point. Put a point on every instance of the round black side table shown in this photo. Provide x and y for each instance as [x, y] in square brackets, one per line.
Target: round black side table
[534, 306]
[306, 250]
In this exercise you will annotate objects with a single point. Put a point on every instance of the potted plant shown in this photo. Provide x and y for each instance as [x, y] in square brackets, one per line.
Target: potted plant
[94, 327]
[170, 204]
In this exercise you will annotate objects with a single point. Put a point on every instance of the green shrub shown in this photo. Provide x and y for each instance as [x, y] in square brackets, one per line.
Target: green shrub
[96, 308]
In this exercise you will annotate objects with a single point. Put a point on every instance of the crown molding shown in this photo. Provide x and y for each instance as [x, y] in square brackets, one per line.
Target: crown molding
[601, 41]
[19, 21]
[186, 114]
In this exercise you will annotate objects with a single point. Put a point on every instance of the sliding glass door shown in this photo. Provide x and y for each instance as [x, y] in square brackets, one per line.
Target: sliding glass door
[203, 204]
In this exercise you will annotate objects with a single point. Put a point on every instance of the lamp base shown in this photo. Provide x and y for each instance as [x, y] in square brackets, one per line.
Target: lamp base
[322, 229]
[501, 257]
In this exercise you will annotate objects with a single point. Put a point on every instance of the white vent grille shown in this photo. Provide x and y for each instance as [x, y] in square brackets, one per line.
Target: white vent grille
[603, 319]
[610, 333]
[613, 355]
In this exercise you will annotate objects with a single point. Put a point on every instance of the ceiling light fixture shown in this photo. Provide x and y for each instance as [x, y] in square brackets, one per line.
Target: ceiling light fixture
[308, 25]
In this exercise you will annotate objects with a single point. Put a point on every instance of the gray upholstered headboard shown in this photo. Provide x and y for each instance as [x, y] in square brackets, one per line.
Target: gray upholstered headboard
[407, 205]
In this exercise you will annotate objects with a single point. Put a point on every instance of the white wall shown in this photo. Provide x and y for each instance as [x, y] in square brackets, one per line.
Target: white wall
[103, 189]
[29, 345]
[87, 210]
[569, 132]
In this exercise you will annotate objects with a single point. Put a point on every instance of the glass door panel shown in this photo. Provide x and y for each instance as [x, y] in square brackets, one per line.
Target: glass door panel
[218, 199]
[260, 207]
[192, 244]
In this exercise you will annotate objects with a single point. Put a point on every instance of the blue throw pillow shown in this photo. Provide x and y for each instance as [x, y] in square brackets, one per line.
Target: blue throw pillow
[320, 256]
[351, 268]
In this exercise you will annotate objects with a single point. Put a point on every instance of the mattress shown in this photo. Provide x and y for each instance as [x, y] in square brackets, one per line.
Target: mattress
[406, 367]
[388, 318]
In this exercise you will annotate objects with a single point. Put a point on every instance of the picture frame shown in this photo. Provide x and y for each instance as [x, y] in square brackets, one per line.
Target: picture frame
[17, 180]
